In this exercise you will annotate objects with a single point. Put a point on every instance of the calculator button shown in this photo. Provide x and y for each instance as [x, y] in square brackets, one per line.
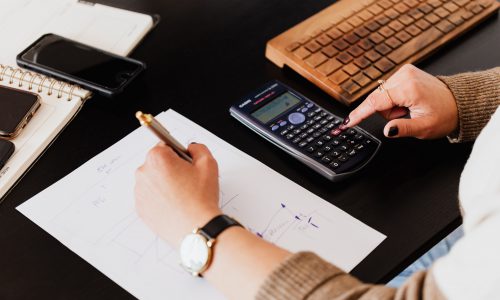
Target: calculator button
[352, 152]
[336, 132]
[343, 148]
[283, 123]
[296, 140]
[296, 118]
[310, 149]
[303, 135]
[351, 142]
[335, 142]
[335, 153]
[284, 132]
[330, 117]
[310, 122]
[334, 165]
[343, 136]
[358, 136]
[318, 110]
[319, 143]
[327, 138]
[275, 127]
[311, 114]
[304, 126]
[297, 131]
[359, 147]
[305, 109]
[326, 159]
[330, 126]
[343, 158]
[326, 149]
[324, 114]
[290, 136]
[311, 130]
[319, 154]
[323, 122]
[351, 132]
[368, 142]
[310, 105]
[337, 122]
[316, 126]
[310, 139]
[317, 134]
[323, 130]
[290, 127]
[303, 144]
[317, 118]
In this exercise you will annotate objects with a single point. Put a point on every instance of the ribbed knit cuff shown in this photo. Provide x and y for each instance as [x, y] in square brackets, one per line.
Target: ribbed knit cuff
[296, 277]
[478, 96]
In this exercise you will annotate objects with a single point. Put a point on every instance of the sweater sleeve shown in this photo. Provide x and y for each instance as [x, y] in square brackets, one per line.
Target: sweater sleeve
[477, 95]
[306, 276]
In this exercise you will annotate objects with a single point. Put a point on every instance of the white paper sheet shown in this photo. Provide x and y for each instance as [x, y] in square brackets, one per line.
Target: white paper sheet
[91, 211]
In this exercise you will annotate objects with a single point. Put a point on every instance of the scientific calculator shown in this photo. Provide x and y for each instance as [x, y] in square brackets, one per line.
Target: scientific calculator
[306, 131]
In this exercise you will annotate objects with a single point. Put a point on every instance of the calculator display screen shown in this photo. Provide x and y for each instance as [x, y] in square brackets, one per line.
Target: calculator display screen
[276, 107]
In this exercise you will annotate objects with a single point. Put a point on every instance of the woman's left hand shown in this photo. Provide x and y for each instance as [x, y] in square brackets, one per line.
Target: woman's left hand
[173, 196]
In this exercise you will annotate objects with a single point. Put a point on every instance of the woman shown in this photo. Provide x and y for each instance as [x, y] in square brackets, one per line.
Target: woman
[246, 266]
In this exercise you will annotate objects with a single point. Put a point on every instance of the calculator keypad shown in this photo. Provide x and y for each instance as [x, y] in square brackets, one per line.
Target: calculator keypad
[316, 133]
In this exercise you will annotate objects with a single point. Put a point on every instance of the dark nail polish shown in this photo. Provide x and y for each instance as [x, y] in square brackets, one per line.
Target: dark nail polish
[393, 131]
[346, 121]
[194, 143]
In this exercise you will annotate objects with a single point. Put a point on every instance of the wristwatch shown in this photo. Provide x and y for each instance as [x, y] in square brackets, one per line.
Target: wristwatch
[196, 249]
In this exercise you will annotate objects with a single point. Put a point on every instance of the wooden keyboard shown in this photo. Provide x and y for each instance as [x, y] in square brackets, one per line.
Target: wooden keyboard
[347, 47]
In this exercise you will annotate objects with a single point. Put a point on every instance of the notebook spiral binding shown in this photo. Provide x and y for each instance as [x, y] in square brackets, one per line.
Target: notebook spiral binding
[38, 86]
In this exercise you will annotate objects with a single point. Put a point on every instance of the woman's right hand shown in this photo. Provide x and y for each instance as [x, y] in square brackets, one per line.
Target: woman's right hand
[429, 102]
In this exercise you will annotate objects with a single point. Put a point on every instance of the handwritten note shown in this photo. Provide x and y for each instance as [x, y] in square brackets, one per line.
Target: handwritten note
[91, 211]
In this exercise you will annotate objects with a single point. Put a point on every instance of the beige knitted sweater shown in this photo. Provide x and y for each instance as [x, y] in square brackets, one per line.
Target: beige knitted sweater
[307, 276]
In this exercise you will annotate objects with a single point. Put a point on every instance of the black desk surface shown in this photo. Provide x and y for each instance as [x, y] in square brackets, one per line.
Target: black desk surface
[203, 56]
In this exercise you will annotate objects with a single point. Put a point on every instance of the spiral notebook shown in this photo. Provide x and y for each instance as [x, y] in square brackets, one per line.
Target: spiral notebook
[22, 22]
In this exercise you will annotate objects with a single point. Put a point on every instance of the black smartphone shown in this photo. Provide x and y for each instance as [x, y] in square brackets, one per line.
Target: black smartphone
[17, 107]
[73, 62]
[6, 151]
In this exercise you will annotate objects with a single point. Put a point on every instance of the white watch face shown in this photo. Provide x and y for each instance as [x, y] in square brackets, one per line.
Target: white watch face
[195, 252]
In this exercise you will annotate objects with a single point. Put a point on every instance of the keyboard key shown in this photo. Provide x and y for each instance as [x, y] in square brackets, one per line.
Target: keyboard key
[361, 79]
[375, 9]
[385, 4]
[362, 62]
[338, 77]
[401, 8]
[355, 51]
[413, 30]
[403, 36]
[391, 13]
[350, 86]
[302, 53]
[425, 8]
[450, 7]
[415, 14]
[411, 47]
[355, 21]
[376, 38]
[340, 44]
[329, 67]
[365, 44]
[351, 38]
[334, 33]
[324, 40]
[351, 69]
[365, 15]
[406, 20]
[386, 31]
[441, 12]
[345, 27]
[383, 49]
[396, 25]
[372, 73]
[384, 65]
[435, 3]
[432, 18]
[372, 25]
[445, 26]
[423, 24]
[313, 46]
[316, 59]
[344, 58]
[330, 51]
[372, 55]
[456, 19]
[393, 42]
[411, 3]
[383, 20]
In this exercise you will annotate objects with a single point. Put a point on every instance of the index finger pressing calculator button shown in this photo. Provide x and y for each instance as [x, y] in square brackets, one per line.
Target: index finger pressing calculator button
[306, 131]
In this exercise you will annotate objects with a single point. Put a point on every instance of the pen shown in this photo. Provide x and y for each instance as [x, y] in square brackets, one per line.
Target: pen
[162, 133]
